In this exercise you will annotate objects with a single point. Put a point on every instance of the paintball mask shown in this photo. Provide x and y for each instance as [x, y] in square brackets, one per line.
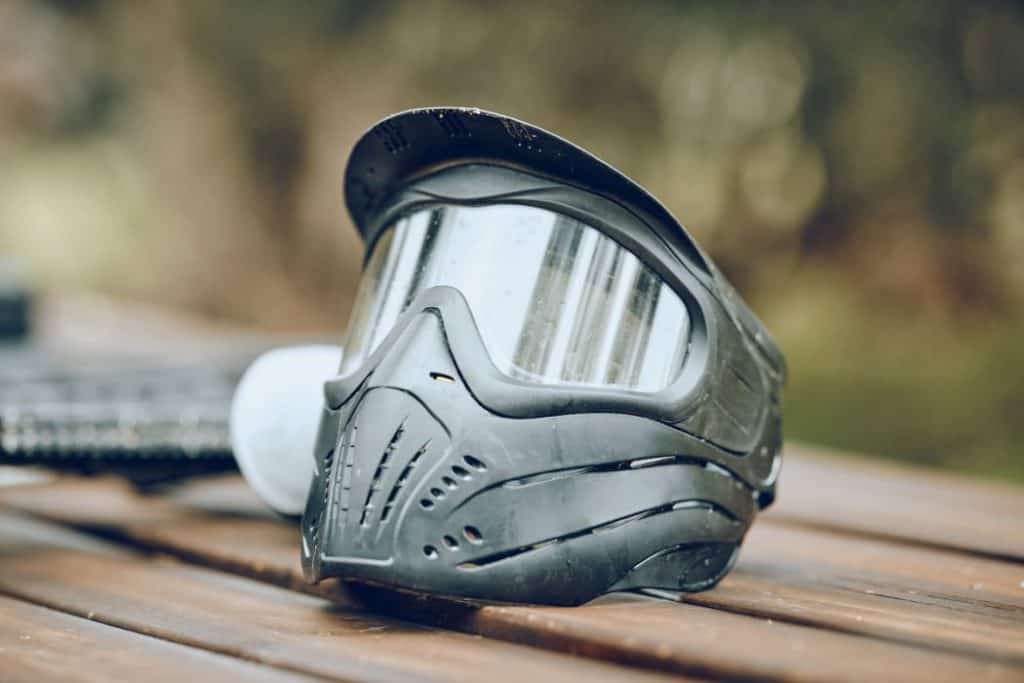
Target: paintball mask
[548, 391]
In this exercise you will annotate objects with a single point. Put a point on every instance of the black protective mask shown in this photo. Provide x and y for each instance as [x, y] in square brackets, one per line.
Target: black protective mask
[548, 393]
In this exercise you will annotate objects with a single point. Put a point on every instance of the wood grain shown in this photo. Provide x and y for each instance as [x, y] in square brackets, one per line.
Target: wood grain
[894, 592]
[262, 623]
[974, 629]
[908, 570]
[912, 505]
[639, 631]
[862, 571]
[21, 534]
[289, 630]
[798, 596]
[849, 583]
[41, 644]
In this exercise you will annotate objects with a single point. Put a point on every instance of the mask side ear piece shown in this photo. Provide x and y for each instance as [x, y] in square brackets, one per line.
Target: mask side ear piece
[275, 414]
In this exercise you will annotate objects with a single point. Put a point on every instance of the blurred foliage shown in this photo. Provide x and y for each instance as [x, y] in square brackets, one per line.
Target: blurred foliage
[856, 168]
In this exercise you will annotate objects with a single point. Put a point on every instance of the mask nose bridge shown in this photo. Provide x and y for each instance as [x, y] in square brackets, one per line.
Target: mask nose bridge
[418, 338]
[419, 360]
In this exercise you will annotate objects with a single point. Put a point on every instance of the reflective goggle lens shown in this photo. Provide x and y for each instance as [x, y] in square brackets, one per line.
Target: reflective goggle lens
[556, 301]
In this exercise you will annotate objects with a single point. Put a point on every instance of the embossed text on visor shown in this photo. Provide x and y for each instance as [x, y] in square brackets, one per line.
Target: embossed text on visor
[556, 301]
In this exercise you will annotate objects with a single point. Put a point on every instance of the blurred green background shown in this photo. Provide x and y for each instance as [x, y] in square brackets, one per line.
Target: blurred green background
[857, 169]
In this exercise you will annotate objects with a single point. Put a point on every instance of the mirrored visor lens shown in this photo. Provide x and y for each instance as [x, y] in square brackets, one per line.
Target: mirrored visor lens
[556, 301]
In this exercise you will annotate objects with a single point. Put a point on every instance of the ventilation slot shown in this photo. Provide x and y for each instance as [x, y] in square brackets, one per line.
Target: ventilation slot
[346, 470]
[314, 530]
[391, 136]
[475, 463]
[452, 125]
[639, 463]
[600, 528]
[382, 468]
[400, 483]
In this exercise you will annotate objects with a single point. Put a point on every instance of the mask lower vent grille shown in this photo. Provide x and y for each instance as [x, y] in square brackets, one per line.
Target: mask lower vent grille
[314, 531]
[385, 449]
[401, 481]
[379, 474]
[345, 492]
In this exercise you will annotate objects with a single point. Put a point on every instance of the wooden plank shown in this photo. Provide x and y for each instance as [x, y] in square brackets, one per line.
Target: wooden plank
[225, 614]
[655, 634]
[263, 623]
[21, 534]
[41, 644]
[271, 548]
[872, 611]
[917, 574]
[900, 593]
[37, 643]
[774, 579]
[913, 505]
[212, 612]
[730, 645]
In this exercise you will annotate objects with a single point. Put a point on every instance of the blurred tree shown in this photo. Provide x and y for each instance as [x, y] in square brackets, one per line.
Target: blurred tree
[857, 169]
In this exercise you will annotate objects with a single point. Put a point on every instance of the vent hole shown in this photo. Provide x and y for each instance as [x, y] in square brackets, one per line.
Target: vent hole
[442, 377]
[426, 503]
[451, 543]
[450, 483]
[460, 472]
[438, 493]
[472, 534]
[430, 551]
[475, 463]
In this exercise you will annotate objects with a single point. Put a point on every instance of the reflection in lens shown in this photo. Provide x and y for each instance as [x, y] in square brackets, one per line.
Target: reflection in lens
[556, 301]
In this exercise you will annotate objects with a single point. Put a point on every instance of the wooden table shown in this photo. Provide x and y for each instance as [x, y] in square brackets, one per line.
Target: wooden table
[862, 571]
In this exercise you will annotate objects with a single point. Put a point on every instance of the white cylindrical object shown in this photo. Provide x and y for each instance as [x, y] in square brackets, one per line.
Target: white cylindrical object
[275, 414]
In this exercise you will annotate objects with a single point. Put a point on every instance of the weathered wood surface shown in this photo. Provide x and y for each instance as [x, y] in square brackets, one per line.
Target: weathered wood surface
[42, 644]
[216, 612]
[836, 595]
[910, 504]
